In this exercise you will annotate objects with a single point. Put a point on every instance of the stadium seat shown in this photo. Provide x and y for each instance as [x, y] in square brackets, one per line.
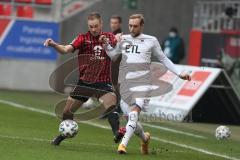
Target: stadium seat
[1, 9]
[5, 9]
[45, 2]
[25, 11]
[3, 25]
[23, 1]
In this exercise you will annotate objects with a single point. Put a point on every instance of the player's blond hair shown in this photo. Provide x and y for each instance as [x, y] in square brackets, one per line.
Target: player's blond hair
[139, 16]
[94, 15]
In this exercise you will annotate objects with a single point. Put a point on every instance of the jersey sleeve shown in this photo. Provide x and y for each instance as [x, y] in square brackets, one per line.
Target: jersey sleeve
[112, 40]
[112, 51]
[77, 42]
[157, 51]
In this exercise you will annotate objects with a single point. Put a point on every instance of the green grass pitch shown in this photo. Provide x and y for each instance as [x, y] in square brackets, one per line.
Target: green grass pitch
[26, 135]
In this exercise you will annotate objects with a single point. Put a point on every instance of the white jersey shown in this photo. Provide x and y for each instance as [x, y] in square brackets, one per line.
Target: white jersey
[139, 49]
[134, 70]
[137, 53]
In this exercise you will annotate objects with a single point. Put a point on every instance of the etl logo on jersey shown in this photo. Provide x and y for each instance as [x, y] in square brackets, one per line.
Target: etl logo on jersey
[97, 51]
[132, 49]
[190, 88]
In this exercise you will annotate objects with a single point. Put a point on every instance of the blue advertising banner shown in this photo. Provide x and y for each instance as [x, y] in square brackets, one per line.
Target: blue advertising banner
[24, 39]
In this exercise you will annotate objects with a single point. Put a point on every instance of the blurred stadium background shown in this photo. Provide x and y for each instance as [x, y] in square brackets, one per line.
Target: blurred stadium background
[211, 32]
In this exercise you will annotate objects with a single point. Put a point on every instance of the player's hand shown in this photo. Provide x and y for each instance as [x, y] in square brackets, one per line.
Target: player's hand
[118, 37]
[103, 39]
[185, 76]
[49, 42]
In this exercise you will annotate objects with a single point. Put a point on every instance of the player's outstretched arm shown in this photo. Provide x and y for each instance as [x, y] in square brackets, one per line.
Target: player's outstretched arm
[62, 49]
[113, 53]
[157, 51]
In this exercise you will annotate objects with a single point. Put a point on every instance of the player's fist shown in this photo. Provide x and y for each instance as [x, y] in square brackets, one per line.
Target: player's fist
[118, 37]
[103, 39]
[185, 76]
[49, 42]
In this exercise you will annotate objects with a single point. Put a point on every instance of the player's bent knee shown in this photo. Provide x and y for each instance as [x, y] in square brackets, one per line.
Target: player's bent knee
[67, 110]
[70, 99]
[108, 100]
[133, 116]
[135, 108]
[132, 120]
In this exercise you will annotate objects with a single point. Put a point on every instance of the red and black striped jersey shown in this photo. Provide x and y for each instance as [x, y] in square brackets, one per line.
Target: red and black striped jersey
[94, 64]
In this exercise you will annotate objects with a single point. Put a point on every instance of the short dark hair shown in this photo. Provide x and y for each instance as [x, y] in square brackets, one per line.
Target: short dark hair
[94, 15]
[174, 29]
[140, 16]
[117, 17]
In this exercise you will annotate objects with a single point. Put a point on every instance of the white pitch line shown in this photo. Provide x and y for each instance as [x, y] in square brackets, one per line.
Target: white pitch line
[95, 124]
[81, 143]
[194, 148]
[48, 140]
[16, 105]
[104, 127]
[174, 131]
[22, 138]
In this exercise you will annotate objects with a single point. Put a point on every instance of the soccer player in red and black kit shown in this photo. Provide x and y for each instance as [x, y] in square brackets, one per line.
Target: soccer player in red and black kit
[90, 51]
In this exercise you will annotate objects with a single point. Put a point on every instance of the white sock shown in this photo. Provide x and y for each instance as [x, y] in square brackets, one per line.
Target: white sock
[139, 132]
[130, 127]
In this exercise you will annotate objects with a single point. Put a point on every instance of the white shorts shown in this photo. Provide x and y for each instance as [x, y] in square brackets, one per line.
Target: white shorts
[142, 103]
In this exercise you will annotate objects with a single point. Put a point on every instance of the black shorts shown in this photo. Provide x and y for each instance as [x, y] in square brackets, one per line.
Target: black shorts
[83, 90]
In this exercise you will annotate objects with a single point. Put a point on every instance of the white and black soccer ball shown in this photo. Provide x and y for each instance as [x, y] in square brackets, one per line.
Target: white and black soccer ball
[222, 132]
[68, 128]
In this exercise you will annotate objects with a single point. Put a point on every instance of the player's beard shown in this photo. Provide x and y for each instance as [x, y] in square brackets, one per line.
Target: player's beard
[95, 34]
[135, 34]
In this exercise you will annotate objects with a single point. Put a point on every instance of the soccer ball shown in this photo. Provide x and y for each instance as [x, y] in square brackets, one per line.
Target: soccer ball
[222, 132]
[68, 128]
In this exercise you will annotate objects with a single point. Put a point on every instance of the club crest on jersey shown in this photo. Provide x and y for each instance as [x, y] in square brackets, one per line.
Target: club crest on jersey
[97, 51]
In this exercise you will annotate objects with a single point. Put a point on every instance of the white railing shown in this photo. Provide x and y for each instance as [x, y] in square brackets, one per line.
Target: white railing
[71, 7]
[216, 15]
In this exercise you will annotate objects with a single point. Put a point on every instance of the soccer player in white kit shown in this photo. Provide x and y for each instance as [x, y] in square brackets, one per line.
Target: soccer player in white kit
[134, 74]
